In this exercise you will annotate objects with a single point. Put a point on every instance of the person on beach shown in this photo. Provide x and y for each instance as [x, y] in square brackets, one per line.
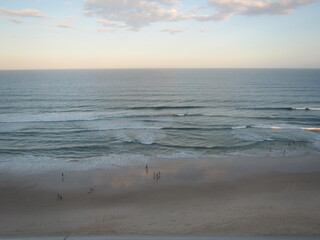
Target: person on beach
[284, 153]
[147, 169]
[62, 178]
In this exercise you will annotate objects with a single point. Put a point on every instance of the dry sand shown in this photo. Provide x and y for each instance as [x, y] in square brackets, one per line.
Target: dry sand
[269, 196]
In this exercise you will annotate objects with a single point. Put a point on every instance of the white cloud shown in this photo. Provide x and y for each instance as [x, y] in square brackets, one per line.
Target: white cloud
[66, 24]
[173, 30]
[135, 14]
[23, 13]
[227, 8]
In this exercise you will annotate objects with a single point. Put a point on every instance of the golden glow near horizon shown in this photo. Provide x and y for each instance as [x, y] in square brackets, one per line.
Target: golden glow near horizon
[303, 128]
[85, 34]
[312, 129]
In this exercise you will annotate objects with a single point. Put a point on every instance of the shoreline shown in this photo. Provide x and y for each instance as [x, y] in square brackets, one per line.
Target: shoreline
[151, 237]
[35, 165]
[228, 197]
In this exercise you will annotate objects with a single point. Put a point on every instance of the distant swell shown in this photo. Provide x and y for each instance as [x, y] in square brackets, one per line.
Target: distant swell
[279, 127]
[164, 107]
[48, 118]
[58, 117]
[282, 109]
[286, 126]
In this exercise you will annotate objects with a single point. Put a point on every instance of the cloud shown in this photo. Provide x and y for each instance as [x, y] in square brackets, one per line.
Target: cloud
[167, 2]
[23, 13]
[227, 8]
[14, 20]
[110, 24]
[68, 26]
[173, 30]
[134, 13]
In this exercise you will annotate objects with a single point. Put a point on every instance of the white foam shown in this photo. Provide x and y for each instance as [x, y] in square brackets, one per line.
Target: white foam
[142, 137]
[182, 155]
[252, 137]
[27, 164]
[239, 127]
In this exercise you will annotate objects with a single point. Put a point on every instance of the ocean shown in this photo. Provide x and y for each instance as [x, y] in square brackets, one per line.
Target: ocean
[82, 119]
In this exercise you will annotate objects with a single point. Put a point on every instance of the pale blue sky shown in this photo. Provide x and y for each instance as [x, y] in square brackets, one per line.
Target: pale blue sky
[42, 34]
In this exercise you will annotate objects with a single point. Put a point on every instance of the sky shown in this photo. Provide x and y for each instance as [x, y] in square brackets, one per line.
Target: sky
[85, 34]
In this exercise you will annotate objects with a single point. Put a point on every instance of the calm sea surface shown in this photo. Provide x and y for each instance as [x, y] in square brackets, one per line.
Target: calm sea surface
[117, 117]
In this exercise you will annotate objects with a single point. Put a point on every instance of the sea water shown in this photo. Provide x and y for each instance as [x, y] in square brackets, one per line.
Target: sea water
[81, 119]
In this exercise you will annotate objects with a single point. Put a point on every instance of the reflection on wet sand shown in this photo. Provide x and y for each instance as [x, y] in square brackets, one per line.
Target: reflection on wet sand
[274, 196]
[166, 174]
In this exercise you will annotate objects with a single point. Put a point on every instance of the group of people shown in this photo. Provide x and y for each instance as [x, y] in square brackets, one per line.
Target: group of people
[290, 143]
[62, 179]
[156, 176]
[59, 197]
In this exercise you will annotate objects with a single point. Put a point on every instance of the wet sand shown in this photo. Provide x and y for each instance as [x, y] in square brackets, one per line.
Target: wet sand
[240, 197]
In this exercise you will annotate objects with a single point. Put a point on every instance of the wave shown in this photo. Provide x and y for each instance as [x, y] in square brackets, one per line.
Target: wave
[164, 107]
[108, 127]
[286, 126]
[279, 127]
[87, 116]
[251, 137]
[52, 148]
[206, 148]
[48, 118]
[307, 109]
[282, 108]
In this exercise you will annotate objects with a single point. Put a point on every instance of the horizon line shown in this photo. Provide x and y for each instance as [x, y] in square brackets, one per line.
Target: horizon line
[163, 68]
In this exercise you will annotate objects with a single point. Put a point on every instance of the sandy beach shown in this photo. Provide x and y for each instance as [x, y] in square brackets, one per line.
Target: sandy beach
[270, 196]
